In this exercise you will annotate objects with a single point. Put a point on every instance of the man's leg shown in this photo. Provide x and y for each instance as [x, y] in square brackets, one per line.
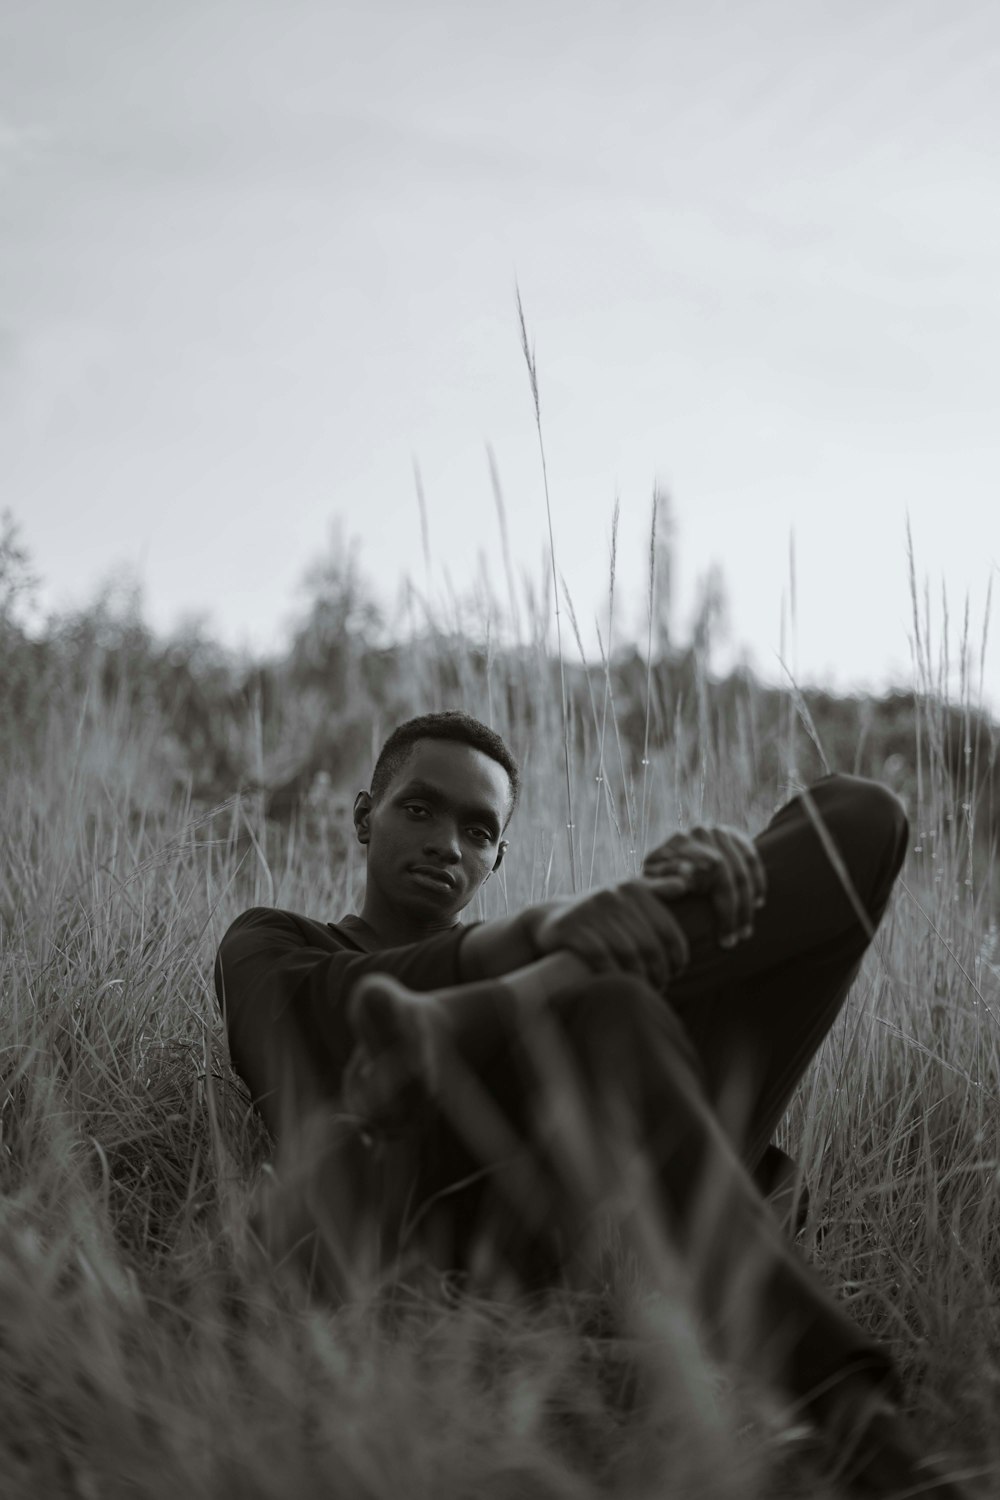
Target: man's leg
[757, 1013]
[776, 1178]
[538, 1169]
[548, 1098]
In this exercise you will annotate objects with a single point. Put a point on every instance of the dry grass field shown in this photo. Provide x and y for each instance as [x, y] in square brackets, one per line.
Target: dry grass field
[145, 1351]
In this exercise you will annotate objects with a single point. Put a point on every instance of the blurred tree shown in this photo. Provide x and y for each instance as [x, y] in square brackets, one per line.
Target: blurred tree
[24, 663]
[18, 582]
[196, 689]
[340, 621]
[711, 613]
[323, 691]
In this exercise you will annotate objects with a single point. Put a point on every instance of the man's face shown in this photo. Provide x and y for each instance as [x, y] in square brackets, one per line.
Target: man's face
[434, 836]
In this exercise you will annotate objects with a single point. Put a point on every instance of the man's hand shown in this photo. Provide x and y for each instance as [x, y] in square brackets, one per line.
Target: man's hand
[722, 863]
[628, 926]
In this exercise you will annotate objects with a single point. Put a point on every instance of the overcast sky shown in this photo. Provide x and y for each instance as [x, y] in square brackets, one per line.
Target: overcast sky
[257, 256]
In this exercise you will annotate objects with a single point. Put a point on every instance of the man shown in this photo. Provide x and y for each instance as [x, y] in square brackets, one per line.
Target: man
[467, 1096]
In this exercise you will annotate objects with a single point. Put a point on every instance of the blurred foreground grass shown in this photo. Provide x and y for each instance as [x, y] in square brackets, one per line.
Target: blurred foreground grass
[143, 1350]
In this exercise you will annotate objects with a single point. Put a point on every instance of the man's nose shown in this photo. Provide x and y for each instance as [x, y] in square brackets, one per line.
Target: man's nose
[443, 842]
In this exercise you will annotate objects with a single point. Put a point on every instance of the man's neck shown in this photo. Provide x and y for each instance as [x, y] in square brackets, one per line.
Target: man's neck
[395, 929]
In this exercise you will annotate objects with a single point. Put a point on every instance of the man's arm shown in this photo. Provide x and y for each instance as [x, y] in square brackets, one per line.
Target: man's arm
[540, 953]
[628, 926]
[503, 945]
[282, 983]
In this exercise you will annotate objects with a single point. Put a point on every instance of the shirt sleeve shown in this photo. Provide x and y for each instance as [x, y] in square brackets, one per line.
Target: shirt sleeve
[282, 983]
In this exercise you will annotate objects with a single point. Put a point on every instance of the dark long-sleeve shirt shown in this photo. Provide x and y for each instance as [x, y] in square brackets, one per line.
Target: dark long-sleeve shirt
[282, 983]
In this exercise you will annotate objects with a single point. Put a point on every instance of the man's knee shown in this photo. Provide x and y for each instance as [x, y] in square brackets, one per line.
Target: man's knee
[863, 811]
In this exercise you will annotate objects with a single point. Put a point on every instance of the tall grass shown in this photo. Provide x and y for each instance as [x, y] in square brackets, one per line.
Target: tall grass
[147, 1350]
[529, 358]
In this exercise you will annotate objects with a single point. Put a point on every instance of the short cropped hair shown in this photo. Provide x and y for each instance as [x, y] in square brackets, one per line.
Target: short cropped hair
[452, 724]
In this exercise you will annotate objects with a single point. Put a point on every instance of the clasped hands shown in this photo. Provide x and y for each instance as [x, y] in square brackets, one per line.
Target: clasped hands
[630, 925]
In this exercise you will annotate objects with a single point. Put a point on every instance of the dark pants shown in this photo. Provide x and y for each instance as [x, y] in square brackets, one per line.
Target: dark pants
[699, 1082]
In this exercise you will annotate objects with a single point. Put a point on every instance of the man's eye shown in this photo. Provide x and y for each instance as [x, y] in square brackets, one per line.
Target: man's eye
[414, 807]
[482, 833]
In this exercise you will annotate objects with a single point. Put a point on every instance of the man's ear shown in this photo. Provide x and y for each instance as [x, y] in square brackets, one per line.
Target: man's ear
[362, 816]
[504, 846]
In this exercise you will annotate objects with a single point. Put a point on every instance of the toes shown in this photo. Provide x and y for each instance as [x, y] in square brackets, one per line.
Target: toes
[382, 1095]
[375, 1016]
[393, 1072]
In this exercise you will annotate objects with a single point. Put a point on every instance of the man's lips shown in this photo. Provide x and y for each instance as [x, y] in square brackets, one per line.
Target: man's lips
[444, 878]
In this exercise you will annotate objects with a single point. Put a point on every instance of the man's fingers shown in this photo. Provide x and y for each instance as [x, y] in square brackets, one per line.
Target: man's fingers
[671, 884]
[615, 946]
[752, 863]
[674, 939]
[721, 863]
[654, 896]
[726, 901]
[741, 881]
[637, 933]
[715, 879]
[636, 948]
[759, 874]
[680, 874]
[700, 863]
[628, 927]
[595, 953]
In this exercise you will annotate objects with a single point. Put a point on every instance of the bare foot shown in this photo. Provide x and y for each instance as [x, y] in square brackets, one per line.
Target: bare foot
[394, 1071]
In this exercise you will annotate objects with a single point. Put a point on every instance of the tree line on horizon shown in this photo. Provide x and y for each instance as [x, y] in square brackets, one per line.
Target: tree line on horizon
[317, 710]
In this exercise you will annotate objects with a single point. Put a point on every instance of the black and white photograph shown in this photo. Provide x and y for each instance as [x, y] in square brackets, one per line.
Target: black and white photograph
[499, 750]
